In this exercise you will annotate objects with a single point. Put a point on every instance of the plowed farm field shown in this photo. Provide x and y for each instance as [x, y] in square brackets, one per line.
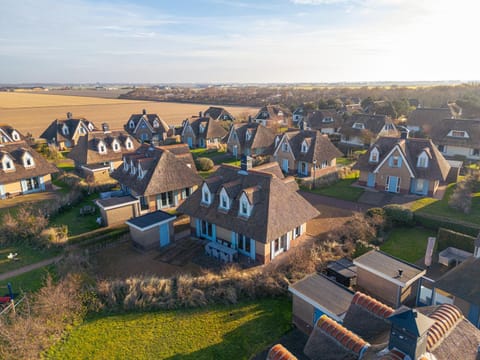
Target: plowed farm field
[32, 113]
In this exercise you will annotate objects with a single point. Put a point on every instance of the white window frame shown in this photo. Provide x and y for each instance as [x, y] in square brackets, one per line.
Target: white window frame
[125, 165]
[285, 147]
[244, 208]
[206, 195]
[7, 160]
[102, 148]
[224, 200]
[358, 125]
[156, 124]
[304, 146]
[129, 144]
[116, 146]
[374, 155]
[27, 157]
[422, 161]
[65, 130]
[131, 124]
[15, 136]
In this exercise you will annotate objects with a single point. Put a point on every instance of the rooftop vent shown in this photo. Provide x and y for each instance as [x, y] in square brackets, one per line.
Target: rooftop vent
[144, 112]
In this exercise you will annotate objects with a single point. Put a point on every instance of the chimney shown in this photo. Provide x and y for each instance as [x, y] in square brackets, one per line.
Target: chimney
[105, 127]
[199, 114]
[249, 119]
[69, 115]
[144, 111]
[400, 272]
[245, 164]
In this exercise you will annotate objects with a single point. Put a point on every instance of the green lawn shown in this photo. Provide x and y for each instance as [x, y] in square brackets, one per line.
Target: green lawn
[30, 281]
[222, 332]
[408, 244]
[208, 153]
[26, 255]
[440, 207]
[345, 161]
[342, 189]
[76, 223]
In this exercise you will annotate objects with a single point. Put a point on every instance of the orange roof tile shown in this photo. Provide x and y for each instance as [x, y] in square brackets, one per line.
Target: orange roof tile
[343, 336]
[446, 318]
[278, 352]
[372, 305]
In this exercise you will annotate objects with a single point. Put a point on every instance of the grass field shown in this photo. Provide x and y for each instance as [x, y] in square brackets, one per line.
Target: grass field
[34, 112]
[26, 255]
[222, 332]
[30, 281]
[408, 244]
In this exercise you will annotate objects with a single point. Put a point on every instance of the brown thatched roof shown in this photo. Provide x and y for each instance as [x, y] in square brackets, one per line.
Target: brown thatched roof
[259, 136]
[440, 133]
[16, 152]
[272, 200]
[428, 117]
[55, 129]
[164, 171]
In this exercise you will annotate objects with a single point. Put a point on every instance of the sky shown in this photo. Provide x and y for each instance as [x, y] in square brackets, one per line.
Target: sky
[232, 41]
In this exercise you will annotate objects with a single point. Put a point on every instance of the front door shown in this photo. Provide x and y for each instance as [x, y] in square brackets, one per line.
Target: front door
[189, 141]
[235, 151]
[164, 235]
[285, 165]
[371, 180]
[393, 184]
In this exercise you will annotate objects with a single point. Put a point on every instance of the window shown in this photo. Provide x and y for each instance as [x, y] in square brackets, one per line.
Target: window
[156, 124]
[8, 164]
[441, 148]
[297, 232]
[206, 198]
[323, 164]
[422, 160]
[133, 169]
[476, 152]
[28, 160]
[202, 128]
[129, 144]
[248, 135]
[304, 147]
[143, 203]
[32, 184]
[388, 127]
[395, 161]
[224, 200]
[82, 131]
[90, 126]
[358, 126]
[15, 136]
[243, 243]
[374, 155]
[166, 199]
[327, 120]
[244, 206]
[285, 147]
[206, 229]
[457, 133]
[65, 130]
[116, 146]
[131, 125]
[185, 193]
[140, 172]
[125, 165]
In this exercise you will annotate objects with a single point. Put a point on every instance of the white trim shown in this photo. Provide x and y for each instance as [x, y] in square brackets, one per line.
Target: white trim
[143, 118]
[232, 130]
[284, 137]
[149, 226]
[315, 304]
[118, 205]
[85, 167]
[396, 147]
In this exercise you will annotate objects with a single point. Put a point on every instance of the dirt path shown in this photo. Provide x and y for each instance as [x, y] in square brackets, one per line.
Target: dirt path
[28, 268]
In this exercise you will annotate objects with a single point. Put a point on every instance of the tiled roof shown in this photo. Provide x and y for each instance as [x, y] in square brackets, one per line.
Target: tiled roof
[428, 116]
[270, 217]
[472, 127]
[372, 305]
[446, 317]
[437, 169]
[278, 352]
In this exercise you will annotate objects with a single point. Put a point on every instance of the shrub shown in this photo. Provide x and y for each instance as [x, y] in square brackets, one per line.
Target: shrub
[26, 226]
[204, 164]
[435, 222]
[399, 215]
[448, 238]
[461, 198]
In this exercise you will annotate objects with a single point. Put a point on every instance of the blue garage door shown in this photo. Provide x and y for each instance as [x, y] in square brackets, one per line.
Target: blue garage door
[164, 235]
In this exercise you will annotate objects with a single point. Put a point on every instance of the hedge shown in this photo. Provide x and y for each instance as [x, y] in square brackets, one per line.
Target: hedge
[448, 238]
[436, 222]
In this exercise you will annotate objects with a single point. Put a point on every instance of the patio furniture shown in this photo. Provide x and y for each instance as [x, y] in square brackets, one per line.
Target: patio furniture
[453, 255]
[220, 251]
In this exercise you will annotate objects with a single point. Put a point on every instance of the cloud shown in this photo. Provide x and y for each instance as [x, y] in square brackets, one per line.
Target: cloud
[319, 2]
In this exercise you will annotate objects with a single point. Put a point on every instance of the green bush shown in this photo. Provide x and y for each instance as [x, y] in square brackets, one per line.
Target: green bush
[448, 238]
[204, 164]
[399, 215]
[435, 222]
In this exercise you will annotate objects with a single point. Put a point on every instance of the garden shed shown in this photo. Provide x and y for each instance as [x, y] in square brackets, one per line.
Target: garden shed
[152, 230]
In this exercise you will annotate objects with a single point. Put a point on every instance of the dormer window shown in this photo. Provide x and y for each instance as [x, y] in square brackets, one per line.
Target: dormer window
[458, 133]
[15, 136]
[156, 123]
[245, 208]
[131, 125]
[129, 144]
[374, 155]
[102, 149]
[7, 163]
[65, 130]
[202, 128]
[125, 165]
[82, 130]
[224, 200]
[90, 126]
[206, 196]
[360, 126]
[115, 146]
[28, 160]
[327, 120]
[422, 160]
[285, 147]
[304, 146]
[141, 173]
[248, 135]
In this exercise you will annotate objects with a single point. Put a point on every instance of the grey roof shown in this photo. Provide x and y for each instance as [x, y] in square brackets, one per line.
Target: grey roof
[86, 150]
[318, 119]
[277, 207]
[463, 281]
[411, 320]
[9, 131]
[218, 113]
[261, 137]
[442, 128]
[54, 130]
[165, 171]
[325, 292]
[320, 147]
[389, 265]
[411, 148]
[16, 151]
[272, 113]
[115, 200]
[152, 218]
[344, 267]
[150, 119]
[373, 123]
[428, 117]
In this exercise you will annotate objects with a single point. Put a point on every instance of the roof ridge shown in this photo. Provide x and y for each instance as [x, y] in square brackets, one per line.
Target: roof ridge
[372, 305]
[279, 352]
[446, 318]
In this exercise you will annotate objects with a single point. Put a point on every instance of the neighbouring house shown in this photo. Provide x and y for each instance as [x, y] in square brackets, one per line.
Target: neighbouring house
[326, 121]
[202, 132]
[9, 134]
[257, 213]
[461, 287]
[387, 278]
[218, 113]
[64, 134]
[404, 165]
[298, 115]
[371, 329]
[250, 139]
[147, 127]
[272, 116]
[458, 137]
[305, 153]
[161, 177]
[425, 119]
[309, 304]
[362, 129]
[98, 153]
[23, 170]
[152, 230]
